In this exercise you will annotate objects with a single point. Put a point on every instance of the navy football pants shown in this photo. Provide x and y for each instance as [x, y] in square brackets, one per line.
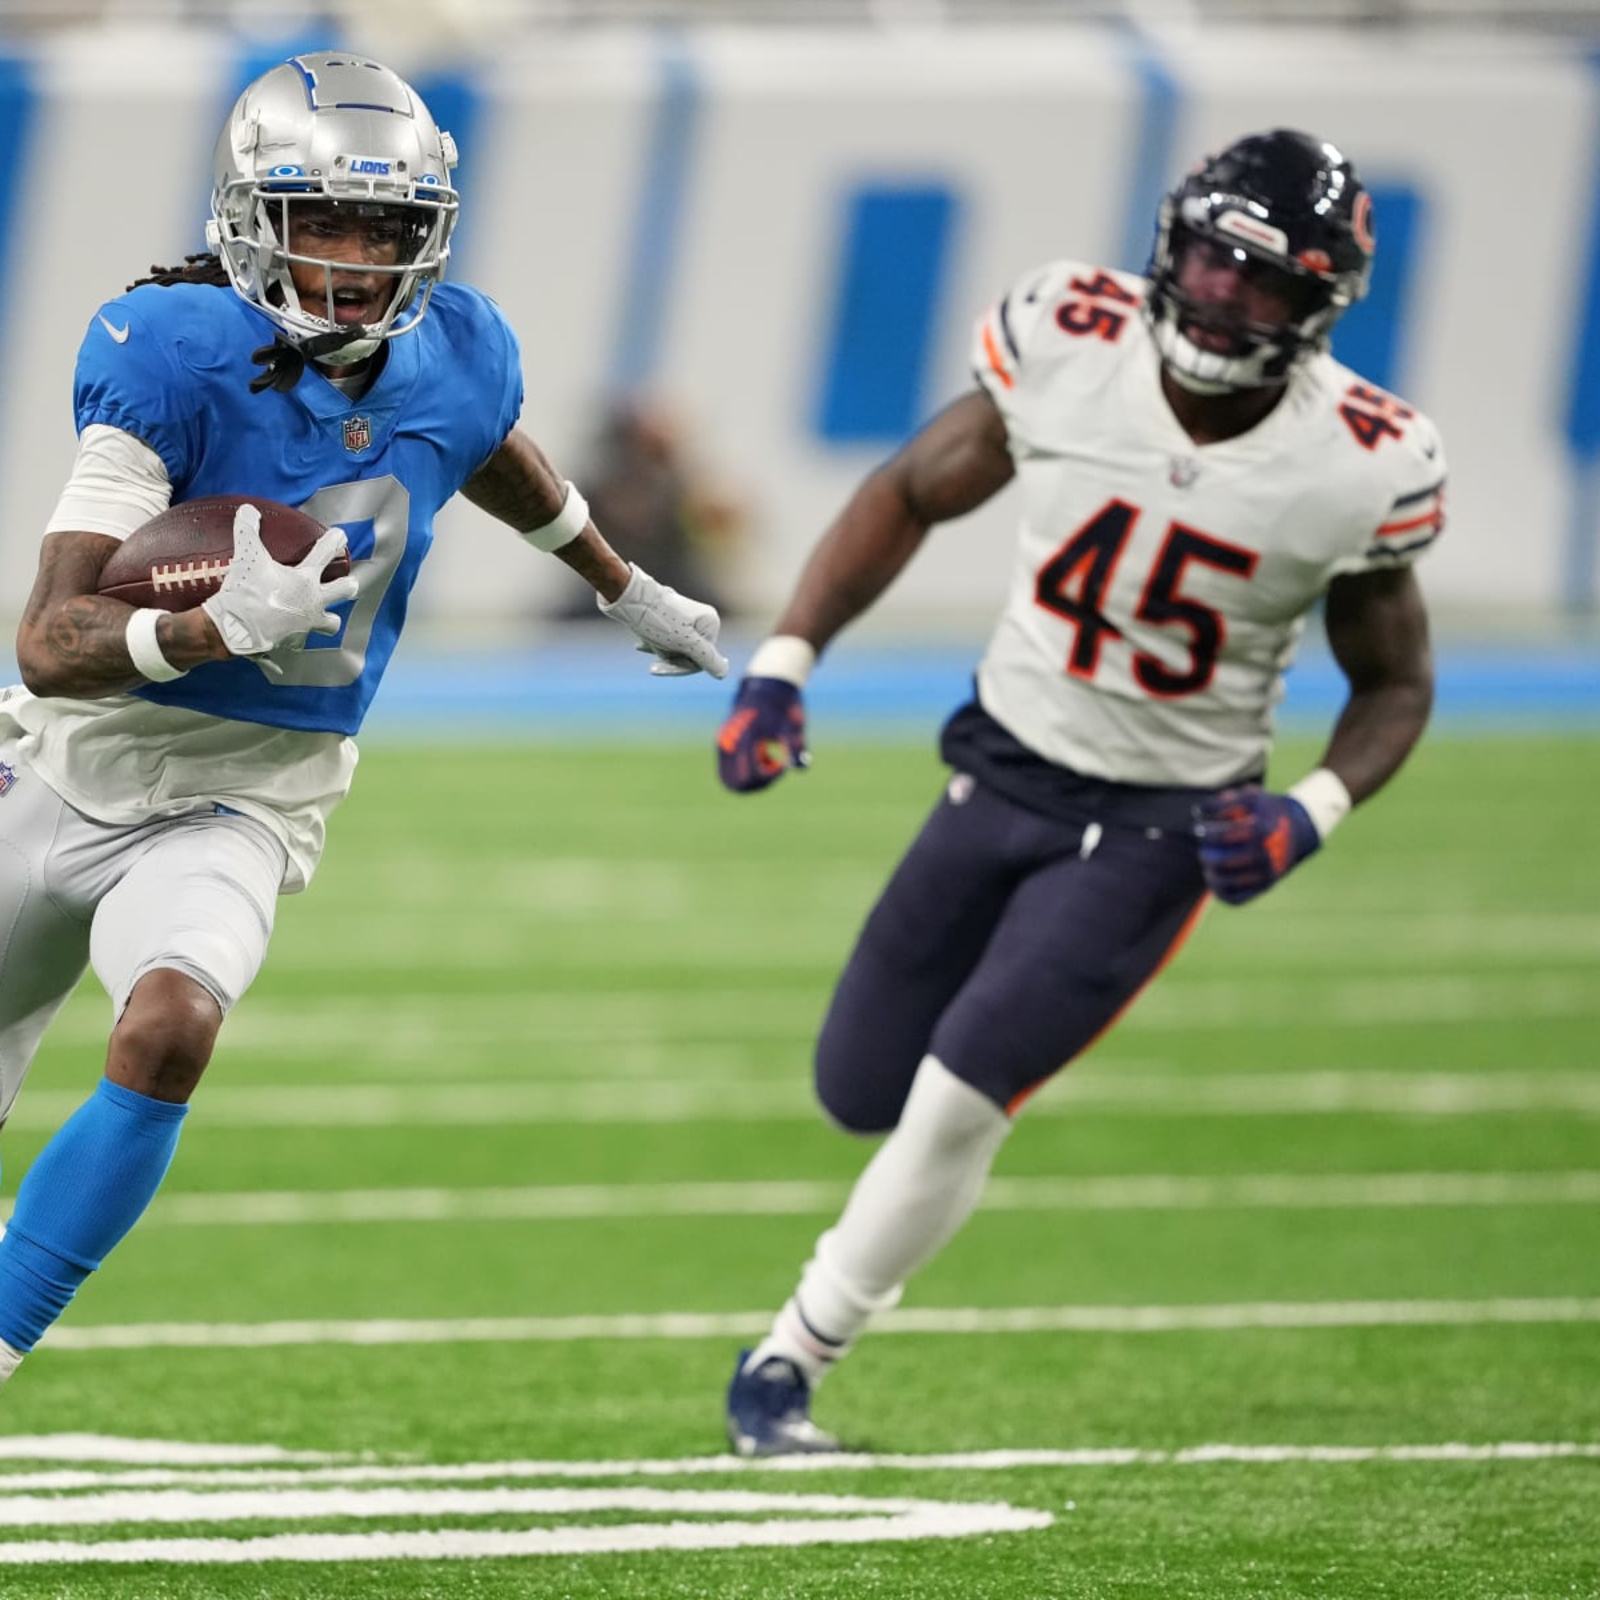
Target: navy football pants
[1003, 949]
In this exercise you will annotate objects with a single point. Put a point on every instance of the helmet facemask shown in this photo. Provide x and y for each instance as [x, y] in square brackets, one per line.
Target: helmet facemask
[262, 259]
[1214, 349]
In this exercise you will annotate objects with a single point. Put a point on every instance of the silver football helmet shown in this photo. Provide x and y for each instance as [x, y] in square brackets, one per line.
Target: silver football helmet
[324, 127]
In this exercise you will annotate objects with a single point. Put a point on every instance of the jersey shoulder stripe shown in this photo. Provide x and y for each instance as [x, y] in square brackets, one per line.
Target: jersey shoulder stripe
[1419, 510]
[1049, 315]
[1404, 500]
[1416, 520]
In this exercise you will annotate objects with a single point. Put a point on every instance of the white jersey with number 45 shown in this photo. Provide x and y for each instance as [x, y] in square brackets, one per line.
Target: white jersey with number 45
[1160, 587]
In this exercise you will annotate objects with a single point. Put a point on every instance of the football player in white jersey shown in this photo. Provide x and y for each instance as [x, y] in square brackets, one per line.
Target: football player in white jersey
[164, 776]
[1196, 473]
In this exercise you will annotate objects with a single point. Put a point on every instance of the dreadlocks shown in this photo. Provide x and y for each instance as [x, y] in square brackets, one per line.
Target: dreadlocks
[281, 361]
[205, 268]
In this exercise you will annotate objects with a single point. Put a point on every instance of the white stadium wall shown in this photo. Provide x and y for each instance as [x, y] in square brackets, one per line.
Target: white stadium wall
[710, 216]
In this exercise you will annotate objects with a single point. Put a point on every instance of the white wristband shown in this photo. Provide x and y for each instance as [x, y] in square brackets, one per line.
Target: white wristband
[1325, 798]
[570, 521]
[144, 651]
[786, 656]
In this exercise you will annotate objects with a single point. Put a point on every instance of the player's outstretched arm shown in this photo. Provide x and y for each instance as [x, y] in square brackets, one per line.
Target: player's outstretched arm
[1378, 631]
[73, 641]
[518, 485]
[957, 462]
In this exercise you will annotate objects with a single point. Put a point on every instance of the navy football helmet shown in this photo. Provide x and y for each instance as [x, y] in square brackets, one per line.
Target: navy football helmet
[1291, 209]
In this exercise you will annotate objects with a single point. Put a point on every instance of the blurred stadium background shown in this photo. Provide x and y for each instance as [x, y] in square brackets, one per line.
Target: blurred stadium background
[779, 222]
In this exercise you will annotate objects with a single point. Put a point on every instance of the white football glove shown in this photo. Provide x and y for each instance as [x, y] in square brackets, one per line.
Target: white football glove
[262, 604]
[681, 633]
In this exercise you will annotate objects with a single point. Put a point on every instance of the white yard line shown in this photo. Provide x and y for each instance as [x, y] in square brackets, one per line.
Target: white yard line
[488, 935]
[1156, 1192]
[939, 1520]
[309, 1504]
[740, 1324]
[163, 1452]
[117, 1451]
[444, 1023]
[1098, 1088]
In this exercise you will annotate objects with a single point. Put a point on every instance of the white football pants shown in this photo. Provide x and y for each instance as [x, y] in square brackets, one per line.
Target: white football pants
[197, 893]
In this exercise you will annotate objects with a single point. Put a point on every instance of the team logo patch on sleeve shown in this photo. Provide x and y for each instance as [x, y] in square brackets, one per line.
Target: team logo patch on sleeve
[8, 778]
[357, 434]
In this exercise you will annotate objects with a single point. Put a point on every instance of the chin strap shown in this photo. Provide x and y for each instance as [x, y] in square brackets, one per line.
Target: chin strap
[283, 363]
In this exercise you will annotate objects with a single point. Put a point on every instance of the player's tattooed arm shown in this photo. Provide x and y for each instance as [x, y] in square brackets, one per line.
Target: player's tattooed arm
[72, 641]
[518, 485]
[956, 463]
[1378, 631]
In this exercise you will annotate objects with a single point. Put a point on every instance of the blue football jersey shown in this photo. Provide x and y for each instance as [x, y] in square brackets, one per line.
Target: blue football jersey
[172, 367]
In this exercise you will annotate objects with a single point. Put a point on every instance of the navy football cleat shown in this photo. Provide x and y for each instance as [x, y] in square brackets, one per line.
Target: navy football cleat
[769, 1411]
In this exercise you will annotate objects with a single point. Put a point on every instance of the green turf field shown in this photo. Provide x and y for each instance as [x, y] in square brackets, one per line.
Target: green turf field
[512, 1145]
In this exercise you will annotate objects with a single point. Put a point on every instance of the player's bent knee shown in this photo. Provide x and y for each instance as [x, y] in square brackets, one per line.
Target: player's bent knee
[857, 1104]
[852, 1117]
[863, 1070]
[165, 1035]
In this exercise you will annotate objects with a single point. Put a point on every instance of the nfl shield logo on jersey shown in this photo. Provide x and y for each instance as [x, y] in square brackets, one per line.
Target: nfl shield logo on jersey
[8, 778]
[357, 433]
[1183, 471]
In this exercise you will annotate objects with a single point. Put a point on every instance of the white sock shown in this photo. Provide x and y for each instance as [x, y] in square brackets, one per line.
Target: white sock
[913, 1197]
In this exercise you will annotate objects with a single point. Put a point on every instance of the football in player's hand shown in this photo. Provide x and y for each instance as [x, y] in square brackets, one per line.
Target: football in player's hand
[179, 558]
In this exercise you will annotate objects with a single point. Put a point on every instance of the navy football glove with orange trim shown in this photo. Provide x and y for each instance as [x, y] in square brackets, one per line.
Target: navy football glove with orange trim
[764, 735]
[1249, 839]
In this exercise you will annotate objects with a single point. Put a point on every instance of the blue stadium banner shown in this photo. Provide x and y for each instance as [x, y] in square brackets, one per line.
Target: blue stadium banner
[887, 300]
[1368, 337]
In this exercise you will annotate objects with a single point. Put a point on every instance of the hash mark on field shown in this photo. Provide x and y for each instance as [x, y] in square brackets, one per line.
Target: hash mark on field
[773, 1521]
[1261, 1315]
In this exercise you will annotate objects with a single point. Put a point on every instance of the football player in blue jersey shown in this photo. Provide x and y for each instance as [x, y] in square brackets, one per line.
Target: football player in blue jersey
[168, 774]
[1195, 472]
